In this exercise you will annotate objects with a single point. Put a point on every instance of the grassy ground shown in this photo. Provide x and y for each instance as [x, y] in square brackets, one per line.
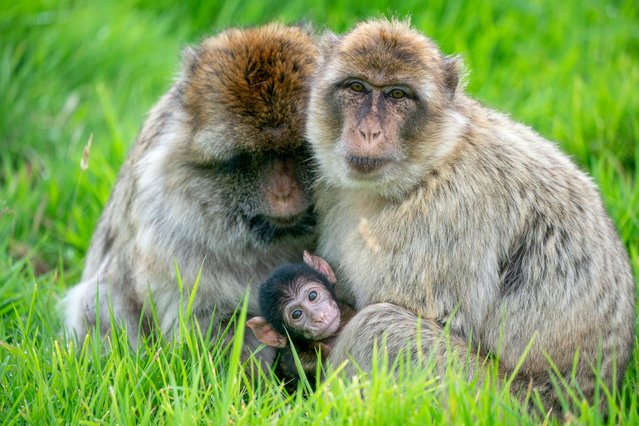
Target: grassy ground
[79, 71]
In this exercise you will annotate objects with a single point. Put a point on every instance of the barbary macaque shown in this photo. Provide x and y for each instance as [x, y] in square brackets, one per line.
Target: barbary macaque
[434, 206]
[298, 303]
[216, 186]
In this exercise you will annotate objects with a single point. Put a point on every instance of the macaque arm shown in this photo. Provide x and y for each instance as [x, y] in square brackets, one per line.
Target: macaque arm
[324, 349]
[265, 333]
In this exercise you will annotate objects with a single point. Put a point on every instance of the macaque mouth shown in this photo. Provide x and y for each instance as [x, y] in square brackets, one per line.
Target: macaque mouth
[332, 326]
[286, 221]
[366, 164]
[267, 229]
[327, 329]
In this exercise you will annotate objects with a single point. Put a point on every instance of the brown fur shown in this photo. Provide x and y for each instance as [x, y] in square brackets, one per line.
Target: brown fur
[216, 183]
[477, 221]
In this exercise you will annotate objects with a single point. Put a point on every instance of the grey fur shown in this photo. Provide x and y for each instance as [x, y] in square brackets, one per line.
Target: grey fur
[193, 189]
[483, 225]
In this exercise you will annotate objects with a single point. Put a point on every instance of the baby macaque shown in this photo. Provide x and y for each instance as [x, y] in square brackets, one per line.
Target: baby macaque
[298, 301]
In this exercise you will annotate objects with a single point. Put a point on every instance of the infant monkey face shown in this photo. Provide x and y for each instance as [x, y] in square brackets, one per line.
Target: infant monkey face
[313, 312]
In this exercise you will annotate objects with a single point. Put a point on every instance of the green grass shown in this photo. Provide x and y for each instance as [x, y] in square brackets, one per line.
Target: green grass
[71, 71]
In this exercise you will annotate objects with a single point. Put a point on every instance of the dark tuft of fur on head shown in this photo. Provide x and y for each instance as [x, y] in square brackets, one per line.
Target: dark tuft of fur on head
[257, 75]
[281, 286]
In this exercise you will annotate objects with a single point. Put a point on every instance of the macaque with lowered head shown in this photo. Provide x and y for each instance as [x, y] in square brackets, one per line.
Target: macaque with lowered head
[216, 186]
[298, 303]
[432, 205]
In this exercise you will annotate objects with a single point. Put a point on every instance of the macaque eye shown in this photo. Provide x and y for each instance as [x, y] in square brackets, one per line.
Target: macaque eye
[238, 163]
[356, 86]
[397, 93]
[296, 314]
[312, 295]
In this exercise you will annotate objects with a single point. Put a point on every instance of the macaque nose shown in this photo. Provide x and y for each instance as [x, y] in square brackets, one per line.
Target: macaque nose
[370, 129]
[282, 182]
[283, 192]
[319, 316]
[370, 134]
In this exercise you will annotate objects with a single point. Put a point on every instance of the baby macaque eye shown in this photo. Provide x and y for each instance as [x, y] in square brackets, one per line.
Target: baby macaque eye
[312, 295]
[296, 314]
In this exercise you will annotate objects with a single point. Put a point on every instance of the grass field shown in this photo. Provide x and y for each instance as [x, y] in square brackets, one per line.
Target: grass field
[78, 71]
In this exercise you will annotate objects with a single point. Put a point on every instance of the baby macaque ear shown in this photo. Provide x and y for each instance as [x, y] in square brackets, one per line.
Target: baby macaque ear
[265, 333]
[321, 266]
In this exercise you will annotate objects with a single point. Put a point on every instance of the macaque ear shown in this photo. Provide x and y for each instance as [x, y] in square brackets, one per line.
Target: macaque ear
[265, 333]
[306, 26]
[189, 60]
[327, 42]
[321, 266]
[453, 68]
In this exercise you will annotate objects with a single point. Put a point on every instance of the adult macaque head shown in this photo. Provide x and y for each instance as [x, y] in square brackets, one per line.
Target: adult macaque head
[298, 299]
[376, 118]
[246, 114]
